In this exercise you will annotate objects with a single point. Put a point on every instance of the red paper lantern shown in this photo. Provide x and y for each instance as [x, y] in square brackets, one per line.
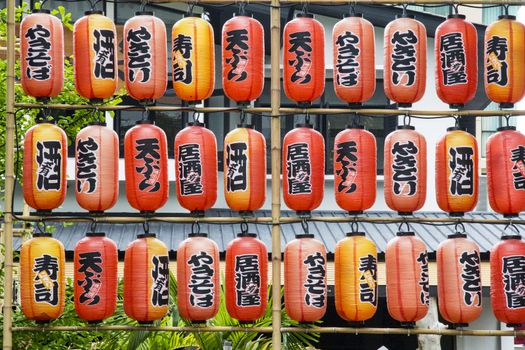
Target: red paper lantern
[303, 168]
[459, 280]
[145, 57]
[354, 59]
[41, 54]
[305, 286]
[243, 59]
[303, 60]
[244, 169]
[146, 279]
[44, 168]
[405, 62]
[146, 163]
[456, 55]
[405, 165]
[95, 277]
[355, 169]
[407, 278]
[507, 261]
[196, 168]
[246, 275]
[96, 167]
[506, 171]
[198, 276]
[457, 153]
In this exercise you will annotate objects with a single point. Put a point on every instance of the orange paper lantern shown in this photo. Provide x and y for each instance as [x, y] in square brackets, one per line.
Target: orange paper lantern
[354, 59]
[44, 169]
[95, 277]
[243, 59]
[405, 165]
[198, 276]
[303, 168]
[303, 59]
[41, 54]
[146, 163]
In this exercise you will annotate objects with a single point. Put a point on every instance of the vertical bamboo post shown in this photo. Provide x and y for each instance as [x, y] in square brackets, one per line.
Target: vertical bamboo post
[9, 177]
[275, 18]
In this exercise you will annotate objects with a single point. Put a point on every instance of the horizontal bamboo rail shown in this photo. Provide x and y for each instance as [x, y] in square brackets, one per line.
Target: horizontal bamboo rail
[378, 2]
[197, 329]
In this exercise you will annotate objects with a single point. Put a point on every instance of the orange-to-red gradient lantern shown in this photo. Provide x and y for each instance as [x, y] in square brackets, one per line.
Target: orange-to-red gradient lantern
[506, 171]
[355, 169]
[96, 167]
[95, 56]
[305, 288]
[246, 275]
[459, 280]
[354, 59]
[145, 57]
[507, 264]
[356, 277]
[146, 163]
[407, 278]
[244, 169]
[457, 172]
[41, 54]
[45, 157]
[303, 168]
[243, 59]
[456, 56]
[146, 279]
[405, 61]
[193, 57]
[42, 278]
[303, 59]
[196, 168]
[405, 164]
[198, 277]
[95, 277]
[505, 61]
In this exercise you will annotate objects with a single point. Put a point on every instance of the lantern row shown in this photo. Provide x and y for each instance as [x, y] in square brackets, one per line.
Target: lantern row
[146, 278]
[145, 59]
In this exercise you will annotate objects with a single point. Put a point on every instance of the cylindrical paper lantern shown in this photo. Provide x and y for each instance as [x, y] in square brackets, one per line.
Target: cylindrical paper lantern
[193, 57]
[196, 168]
[457, 172]
[506, 171]
[354, 59]
[145, 57]
[355, 169]
[456, 55]
[95, 277]
[407, 278]
[45, 157]
[41, 54]
[246, 275]
[95, 56]
[305, 287]
[507, 265]
[243, 59]
[405, 167]
[356, 277]
[244, 169]
[505, 61]
[146, 279]
[303, 59]
[42, 278]
[459, 280]
[198, 276]
[303, 168]
[405, 62]
[96, 167]
[146, 163]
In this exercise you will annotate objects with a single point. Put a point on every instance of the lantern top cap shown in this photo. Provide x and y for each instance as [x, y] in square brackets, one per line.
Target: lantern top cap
[195, 123]
[246, 234]
[304, 15]
[198, 234]
[40, 11]
[504, 128]
[42, 234]
[304, 125]
[405, 15]
[405, 127]
[141, 122]
[358, 126]
[93, 12]
[507, 17]
[304, 235]
[457, 235]
[507, 237]
[456, 128]
[245, 125]
[97, 124]
[195, 15]
[456, 15]
[355, 234]
[95, 234]
[350, 15]
[46, 121]
[405, 233]
[147, 235]
[144, 13]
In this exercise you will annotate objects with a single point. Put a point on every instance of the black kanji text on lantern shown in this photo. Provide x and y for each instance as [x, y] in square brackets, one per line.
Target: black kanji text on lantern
[424, 294]
[404, 170]
[315, 283]
[300, 46]
[139, 54]
[237, 165]
[347, 66]
[518, 168]
[453, 59]
[496, 64]
[190, 169]
[148, 153]
[247, 280]
[201, 283]
[38, 55]
[87, 165]
[404, 58]
[298, 165]
[513, 269]
[182, 59]
[90, 268]
[347, 172]
[461, 170]
[104, 47]
[237, 44]
[471, 278]
[367, 280]
[46, 282]
[49, 165]
[160, 277]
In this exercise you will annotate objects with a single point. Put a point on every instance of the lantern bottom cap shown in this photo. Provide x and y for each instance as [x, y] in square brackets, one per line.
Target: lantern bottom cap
[407, 324]
[355, 212]
[198, 322]
[457, 325]
[42, 99]
[96, 212]
[43, 211]
[356, 324]
[94, 321]
[96, 100]
[147, 212]
[197, 213]
[511, 215]
[147, 102]
[244, 103]
[456, 105]
[506, 105]
[456, 214]
[405, 213]
[42, 322]
[303, 213]
[513, 325]
[246, 213]
[194, 102]
[304, 104]
[355, 104]
[145, 322]
[404, 104]
[245, 322]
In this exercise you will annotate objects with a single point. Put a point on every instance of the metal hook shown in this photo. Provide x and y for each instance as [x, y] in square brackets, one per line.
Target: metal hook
[145, 226]
[191, 5]
[407, 119]
[244, 227]
[143, 4]
[195, 227]
[93, 226]
[506, 9]
[456, 122]
[307, 117]
[41, 226]
[354, 226]
[459, 225]
[243, 116]
[352, 9]
[405, 10]
[456, 8]
[242, 7]
[507, 120]
[404, 222]
[511, 224]
[304, 224]
[195, 117]
[305, 7]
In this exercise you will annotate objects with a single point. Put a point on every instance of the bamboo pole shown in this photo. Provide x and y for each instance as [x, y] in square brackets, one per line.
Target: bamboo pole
[9, 178]
[203, 329]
